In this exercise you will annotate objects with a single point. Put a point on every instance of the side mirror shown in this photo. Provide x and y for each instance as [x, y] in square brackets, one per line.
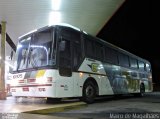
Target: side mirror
[62, 45]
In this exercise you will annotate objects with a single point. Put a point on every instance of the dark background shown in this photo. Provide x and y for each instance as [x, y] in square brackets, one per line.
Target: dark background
[135, 28]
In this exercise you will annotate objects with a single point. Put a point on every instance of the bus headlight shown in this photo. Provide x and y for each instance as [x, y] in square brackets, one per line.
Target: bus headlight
[14, 83]
[40, 80]
[49, 79]
[44, 80]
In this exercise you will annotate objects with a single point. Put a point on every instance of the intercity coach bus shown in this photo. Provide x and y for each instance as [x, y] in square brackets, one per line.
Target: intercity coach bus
[62, 61]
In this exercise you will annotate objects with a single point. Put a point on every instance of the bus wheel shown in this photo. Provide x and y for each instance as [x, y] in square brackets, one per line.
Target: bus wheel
[53, 100]
[89, 92]
[142, 91]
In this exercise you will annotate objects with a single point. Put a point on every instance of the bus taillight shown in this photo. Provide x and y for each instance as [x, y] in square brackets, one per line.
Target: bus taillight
[41, 89]
[26, 89]
[49, 79]
[21, 81]
[31, 80]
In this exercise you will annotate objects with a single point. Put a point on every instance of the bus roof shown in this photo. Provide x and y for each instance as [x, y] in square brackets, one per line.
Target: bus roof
[49, 26]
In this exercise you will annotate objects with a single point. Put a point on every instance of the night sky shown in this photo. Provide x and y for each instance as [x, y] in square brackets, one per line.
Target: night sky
[135, 28]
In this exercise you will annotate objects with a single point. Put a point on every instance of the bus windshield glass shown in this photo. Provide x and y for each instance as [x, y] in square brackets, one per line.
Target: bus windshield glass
[36, 51]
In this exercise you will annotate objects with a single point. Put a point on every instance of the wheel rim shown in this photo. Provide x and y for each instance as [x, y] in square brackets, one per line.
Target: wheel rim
[89, 91]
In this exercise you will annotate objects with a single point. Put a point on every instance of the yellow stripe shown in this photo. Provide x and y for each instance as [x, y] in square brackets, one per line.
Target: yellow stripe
[58, 108]
[40, 73]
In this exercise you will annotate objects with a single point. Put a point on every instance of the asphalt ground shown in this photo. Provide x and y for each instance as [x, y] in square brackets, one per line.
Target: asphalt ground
[109, 107]
[35, 108]
[122, 107]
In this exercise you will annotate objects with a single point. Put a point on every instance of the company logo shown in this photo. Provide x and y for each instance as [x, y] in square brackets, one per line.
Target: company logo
[94, 67]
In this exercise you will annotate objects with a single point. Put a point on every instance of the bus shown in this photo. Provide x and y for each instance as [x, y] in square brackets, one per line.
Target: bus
[62, 61]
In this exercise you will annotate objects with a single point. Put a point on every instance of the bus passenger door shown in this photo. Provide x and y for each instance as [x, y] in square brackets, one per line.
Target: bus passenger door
[65, 81]
[76, 61]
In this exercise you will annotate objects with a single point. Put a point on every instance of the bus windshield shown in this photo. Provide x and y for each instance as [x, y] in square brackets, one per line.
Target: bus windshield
[36, 51]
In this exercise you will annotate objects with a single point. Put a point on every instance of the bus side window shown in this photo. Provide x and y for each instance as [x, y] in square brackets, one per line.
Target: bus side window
[99, 51]
[111, 55]
[123, 60]
[141, 65]
[133, 63]
[89, 47]
[148, 68]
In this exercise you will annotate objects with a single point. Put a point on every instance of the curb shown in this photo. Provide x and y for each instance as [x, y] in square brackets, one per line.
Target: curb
[58, 108]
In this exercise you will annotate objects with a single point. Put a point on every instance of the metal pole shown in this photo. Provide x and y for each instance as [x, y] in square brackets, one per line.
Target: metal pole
[2, 61]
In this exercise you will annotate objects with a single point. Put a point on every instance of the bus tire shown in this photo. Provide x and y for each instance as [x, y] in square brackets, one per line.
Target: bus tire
[89, 92]
[142, 91]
